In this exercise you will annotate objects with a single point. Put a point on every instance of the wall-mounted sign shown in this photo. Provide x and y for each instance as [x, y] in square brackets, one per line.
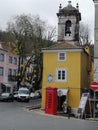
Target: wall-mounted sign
[50, 78]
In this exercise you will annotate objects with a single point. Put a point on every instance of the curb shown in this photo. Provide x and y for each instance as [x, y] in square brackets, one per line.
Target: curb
[92, 119]
[38, 110]
[34, 107]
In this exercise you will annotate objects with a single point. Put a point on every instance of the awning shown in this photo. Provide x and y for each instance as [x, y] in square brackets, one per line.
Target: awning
[7, 84]
[62, 92]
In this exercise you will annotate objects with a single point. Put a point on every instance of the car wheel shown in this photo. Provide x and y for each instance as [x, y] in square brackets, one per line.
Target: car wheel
[28, 100]
[18, 100]
[12, 100]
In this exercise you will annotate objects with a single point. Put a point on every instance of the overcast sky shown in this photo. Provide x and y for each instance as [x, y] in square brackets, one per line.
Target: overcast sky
[46, 9]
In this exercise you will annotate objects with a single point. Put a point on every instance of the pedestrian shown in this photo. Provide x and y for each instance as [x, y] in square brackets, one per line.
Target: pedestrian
[64, 107]
[69, 111]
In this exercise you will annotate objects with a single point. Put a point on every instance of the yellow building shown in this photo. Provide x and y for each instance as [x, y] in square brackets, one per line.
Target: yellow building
[66, 65]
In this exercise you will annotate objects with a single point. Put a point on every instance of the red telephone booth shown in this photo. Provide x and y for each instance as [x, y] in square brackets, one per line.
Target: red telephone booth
[51, 101]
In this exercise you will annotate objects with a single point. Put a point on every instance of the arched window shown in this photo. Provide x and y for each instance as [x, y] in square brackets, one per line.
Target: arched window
[67, 27]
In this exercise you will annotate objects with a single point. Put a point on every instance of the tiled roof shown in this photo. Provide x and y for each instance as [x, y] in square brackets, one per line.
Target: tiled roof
[63, 45]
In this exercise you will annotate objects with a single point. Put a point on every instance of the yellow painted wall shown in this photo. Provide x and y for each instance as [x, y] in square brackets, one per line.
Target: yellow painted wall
[75, 76]
[92, 73]
[85, 79]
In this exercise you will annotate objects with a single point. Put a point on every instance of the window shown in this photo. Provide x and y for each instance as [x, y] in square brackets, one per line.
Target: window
[1, 70]
[67, 27]
[10, 59]
[15, 61]
[62, 56]
[14, 72]
[61, 75]
[10, 72]
[1, 57]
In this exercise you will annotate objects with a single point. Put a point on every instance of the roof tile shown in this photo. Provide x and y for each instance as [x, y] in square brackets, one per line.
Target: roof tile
[62, 45]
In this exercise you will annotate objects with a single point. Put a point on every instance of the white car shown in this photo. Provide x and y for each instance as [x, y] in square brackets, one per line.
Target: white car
[23, 94]
[35, 94]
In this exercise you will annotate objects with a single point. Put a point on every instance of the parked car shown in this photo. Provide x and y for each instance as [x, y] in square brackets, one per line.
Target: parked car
[36, 94]
[23, 94]
[15, 95]
[6, 97]
[39, 93]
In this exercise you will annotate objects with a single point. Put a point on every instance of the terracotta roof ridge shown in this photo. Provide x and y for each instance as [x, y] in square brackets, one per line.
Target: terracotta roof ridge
[63, 45]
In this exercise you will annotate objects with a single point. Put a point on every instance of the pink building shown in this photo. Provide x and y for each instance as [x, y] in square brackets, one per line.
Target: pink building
[8, 69]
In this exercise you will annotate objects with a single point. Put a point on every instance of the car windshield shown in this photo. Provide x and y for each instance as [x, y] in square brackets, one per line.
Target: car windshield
[5, 94]
[23, 92]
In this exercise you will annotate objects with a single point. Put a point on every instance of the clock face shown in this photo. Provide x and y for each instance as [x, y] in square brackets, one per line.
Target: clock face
[50, 78]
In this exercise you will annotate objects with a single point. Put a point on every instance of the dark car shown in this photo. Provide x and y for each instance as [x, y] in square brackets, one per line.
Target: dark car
[6, 97]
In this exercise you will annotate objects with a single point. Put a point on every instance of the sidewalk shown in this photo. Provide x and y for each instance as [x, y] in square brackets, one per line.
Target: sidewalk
[38, 110]
[92, 119]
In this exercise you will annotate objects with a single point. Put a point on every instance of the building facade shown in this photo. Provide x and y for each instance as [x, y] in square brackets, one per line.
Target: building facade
[65, 64]
[68, 22]
[96, 42]
[8, 69]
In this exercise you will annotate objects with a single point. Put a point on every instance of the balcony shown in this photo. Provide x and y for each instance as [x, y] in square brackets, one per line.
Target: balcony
[12, 78]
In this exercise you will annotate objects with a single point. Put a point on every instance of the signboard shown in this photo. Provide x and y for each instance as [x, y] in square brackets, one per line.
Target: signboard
[94, 86]
[82, 104]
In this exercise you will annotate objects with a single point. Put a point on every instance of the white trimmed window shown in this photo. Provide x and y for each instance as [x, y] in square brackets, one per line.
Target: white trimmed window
[15, 61]
[10, 72]
[10, 59]
[61, 75]
[1, 70]
[14, 72]
[1, 57]
[61, 56]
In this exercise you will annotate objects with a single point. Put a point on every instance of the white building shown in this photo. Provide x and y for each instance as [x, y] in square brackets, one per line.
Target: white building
[96, 42]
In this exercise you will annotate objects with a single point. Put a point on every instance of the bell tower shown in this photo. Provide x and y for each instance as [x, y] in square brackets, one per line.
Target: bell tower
[68, 23]
[96, 42]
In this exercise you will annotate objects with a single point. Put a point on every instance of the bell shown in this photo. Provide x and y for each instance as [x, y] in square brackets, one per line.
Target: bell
[67, 30]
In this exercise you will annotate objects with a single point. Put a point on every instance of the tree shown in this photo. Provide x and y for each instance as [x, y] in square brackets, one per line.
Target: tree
[84, 34]
[30, 36]
[84, 38]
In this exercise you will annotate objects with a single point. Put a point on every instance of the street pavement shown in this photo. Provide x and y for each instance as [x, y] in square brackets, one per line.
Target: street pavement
[16, 116]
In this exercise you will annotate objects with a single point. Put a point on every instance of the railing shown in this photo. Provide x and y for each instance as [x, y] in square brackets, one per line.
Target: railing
[12, 78]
